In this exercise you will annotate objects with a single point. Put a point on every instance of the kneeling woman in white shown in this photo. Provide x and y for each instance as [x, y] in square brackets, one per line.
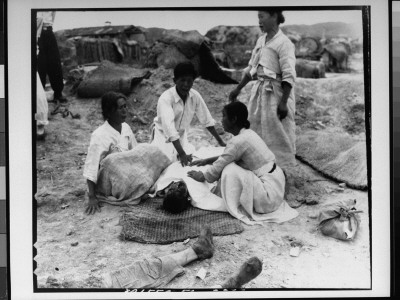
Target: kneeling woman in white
[113, 136]
[251, 184]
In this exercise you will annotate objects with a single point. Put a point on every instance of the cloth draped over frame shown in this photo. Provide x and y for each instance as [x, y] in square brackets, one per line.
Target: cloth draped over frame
[243, 186]
[126, 176]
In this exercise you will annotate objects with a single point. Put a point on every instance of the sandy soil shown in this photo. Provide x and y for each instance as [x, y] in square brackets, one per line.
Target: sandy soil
[74, 250]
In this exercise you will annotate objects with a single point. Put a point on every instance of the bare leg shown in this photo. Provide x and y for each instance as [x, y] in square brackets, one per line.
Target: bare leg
[184, 257]
[201, 249]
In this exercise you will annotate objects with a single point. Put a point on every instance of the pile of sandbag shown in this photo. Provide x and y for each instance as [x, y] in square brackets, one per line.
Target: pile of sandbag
[126, 176]
[337, 155]
[110, 77]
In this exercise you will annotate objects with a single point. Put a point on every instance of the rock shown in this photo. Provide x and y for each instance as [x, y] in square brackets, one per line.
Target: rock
[313, 215]
[294, 251]
[74, 244]
[277, 242]
[52, 282]
[140, 120]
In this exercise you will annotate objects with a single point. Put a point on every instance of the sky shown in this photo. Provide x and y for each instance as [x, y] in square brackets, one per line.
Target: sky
[201, 21]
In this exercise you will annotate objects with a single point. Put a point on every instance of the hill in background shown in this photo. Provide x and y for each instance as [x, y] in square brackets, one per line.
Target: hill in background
[247, 35]
[327, 30]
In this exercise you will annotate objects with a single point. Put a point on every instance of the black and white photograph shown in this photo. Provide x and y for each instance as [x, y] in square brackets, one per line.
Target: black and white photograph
[202, 148]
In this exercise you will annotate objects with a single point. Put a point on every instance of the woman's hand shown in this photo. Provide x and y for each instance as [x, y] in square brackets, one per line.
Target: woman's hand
[199, 162]
[233, 95]
[93, 205]
[282, 110]
[196, 175]
[185, 159]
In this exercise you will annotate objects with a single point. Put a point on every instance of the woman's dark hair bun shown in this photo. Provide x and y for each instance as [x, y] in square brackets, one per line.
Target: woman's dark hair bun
[280, 17]
[239, 110]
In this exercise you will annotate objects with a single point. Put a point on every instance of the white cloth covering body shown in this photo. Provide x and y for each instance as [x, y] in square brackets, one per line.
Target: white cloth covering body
[240, 189]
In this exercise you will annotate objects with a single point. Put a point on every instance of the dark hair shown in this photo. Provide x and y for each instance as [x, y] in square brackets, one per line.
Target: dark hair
[271, 11]
[239, 110]
[109, 103]
[184, 69]
[177, 198]
[175, 202]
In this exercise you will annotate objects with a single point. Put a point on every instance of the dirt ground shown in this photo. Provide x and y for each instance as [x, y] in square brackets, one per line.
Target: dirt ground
[74, 250]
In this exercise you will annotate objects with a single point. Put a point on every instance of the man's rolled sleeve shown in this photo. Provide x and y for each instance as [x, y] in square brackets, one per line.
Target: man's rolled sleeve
[166, 113]
[203, 114]
[287, 61]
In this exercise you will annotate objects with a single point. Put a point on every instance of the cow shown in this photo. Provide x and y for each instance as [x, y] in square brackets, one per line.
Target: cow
[335, 57]
[309, 68]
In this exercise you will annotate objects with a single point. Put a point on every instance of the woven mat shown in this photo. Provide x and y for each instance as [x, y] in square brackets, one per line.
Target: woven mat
[338, 156]
[148, 223]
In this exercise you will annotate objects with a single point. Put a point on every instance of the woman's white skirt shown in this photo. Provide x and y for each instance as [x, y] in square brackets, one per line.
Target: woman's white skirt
[255, 196]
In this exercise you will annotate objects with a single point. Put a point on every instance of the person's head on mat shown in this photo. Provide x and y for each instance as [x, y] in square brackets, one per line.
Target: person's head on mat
[176, 199]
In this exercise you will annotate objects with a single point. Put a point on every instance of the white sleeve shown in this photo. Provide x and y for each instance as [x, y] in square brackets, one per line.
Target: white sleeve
[96, 152]
[167, 116]
[203, 113]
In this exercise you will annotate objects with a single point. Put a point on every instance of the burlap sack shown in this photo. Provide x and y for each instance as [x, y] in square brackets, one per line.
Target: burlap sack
[126, 176]
[339, 220]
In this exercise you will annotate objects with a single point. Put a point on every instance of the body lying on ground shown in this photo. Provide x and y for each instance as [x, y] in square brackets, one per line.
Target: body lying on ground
[157, 272]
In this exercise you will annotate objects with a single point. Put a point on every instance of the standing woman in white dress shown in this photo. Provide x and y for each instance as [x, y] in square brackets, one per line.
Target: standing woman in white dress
[272, 100]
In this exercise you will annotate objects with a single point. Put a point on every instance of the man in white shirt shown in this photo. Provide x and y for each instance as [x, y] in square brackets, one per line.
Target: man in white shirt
[175, 111]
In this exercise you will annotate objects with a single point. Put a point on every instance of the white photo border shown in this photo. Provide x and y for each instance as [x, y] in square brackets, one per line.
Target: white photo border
[21, 134]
